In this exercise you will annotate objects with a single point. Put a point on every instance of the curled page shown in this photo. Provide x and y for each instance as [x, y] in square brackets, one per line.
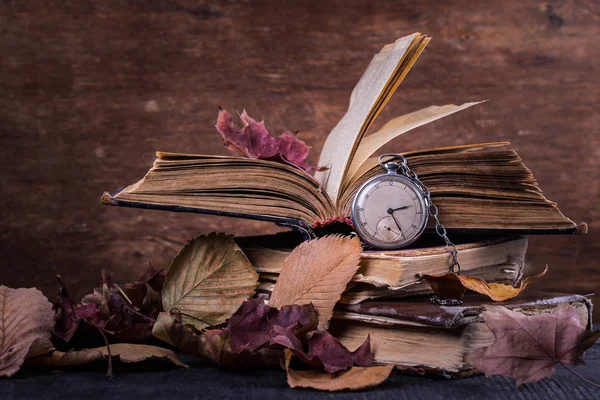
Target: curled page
[397, 127]
[375, 87]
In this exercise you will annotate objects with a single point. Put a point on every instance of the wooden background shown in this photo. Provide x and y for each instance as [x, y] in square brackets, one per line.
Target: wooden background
[90, 89]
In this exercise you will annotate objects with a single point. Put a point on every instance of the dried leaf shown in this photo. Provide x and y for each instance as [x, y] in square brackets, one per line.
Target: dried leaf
[317, 272]
[212, 345]
[452, 286]
[527, 348]
[354, 378]
[126, 352]
[26, 324]
[69, 316]
[127, 312]
[255, 324]
[208, 280]
[145, 294]
[254, 141]
[325, 352]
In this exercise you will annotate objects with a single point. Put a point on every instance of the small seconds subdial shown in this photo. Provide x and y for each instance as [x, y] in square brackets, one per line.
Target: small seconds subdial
[388, 230]
[389, 212]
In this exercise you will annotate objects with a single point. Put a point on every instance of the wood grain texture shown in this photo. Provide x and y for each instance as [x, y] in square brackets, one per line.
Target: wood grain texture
[89, 90]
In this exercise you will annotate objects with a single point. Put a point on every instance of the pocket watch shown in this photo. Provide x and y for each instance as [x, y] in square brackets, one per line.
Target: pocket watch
[391, 210]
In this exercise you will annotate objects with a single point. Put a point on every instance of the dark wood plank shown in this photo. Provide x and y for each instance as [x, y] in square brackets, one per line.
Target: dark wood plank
[89, 90]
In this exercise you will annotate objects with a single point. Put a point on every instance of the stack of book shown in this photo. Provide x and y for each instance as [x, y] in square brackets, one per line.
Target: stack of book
[488, 200]
[388, 301]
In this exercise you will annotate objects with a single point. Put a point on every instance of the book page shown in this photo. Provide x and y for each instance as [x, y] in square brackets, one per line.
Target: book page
[397, 127]
[377, 83]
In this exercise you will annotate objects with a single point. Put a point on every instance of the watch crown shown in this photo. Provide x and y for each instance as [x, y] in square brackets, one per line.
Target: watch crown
[391, 166]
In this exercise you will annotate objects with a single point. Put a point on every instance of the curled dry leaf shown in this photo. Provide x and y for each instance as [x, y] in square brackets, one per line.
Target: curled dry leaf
[355, 378]
[69, 316]
[144, 294]
[527, 348]
[212, 345]
[27, 320]
[127, 312]
[126, 352]
[254, 141]
[452, 286]
[256, 324]
[208, 280]
[317, 272]
[325, 352]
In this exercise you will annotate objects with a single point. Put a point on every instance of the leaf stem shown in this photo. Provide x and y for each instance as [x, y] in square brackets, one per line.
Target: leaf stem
[129, 305]
[579, 376]
[192, 317]
[109, 371]
[123, 294]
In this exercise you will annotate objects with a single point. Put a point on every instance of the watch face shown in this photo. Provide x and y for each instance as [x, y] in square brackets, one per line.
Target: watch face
[389, 212]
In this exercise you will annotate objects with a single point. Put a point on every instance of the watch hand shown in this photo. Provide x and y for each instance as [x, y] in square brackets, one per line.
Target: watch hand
[392, 210]
[397, 224]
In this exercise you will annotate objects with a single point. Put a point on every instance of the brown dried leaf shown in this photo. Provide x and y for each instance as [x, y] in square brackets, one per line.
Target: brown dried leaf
[317, 272]
[208, 280]
[354, 378]
[454, 286]
[527, 348]
[27, 319]
[126, 352]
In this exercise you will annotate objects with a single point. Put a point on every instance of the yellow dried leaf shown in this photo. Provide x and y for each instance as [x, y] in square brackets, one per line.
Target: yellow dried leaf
[354, 378]
[126, 352]
[454, 286]
[208, 280]
[26, 321]
[317, 272]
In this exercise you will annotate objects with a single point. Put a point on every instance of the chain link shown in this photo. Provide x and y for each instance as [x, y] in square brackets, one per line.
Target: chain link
[433, 210]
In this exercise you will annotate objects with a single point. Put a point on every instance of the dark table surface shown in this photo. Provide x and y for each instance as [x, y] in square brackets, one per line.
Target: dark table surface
[154, 380]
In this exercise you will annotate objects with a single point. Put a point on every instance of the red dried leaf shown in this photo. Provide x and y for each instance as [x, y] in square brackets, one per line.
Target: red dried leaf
[328, 353]
[527, 348]
[257, 333]
[254, 141]
[254, 324]
[213, 345]
[69, 316]
[123, 313]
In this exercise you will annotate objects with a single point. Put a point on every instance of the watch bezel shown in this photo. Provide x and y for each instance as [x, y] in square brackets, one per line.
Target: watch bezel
[365, 236]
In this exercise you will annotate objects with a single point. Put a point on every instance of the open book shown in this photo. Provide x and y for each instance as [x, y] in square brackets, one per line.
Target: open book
[476, 187]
